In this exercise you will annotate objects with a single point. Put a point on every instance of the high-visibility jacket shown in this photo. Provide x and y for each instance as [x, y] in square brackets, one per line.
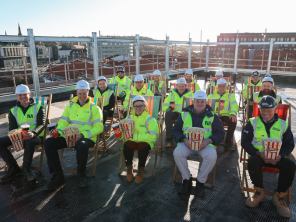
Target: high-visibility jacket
[246, 88]
[88, 118]
[257, 98]
[206, 124]
[174, 96]
[159, 85]
[146, 128]
[276, 131]
[230, 105]
[107, 94]
[143, 92]
[213, 83]
[29, 118]
[124, 83]
[196, 85]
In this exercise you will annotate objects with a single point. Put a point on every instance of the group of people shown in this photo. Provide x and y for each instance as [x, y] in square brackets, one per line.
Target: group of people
[90, 119]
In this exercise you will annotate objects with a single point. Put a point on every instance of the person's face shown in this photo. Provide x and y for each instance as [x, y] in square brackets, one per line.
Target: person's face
[82, 95]
[156, 78]
[102, 85]
[188, 78]
[181, 88]
[120, 74]
[218, 77]
[255, 79]
[222, 88]
[139, 84]
[139, 107]
[24, 99]
[199, 105]
[267, 114]
[266, 88]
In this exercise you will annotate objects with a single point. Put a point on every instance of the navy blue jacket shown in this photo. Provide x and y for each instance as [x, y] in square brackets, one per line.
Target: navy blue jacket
[197, 119]
[248, 134]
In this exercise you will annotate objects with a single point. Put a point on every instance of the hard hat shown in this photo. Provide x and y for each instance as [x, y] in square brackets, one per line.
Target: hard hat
[139, 78]
[200, 95]
[139, 98]
[102, 78]
[181, 81]
[120, 69]
[219, 73]
[189, 71]
[157, 72]
[22, 89]
[256, 73]
[268, 79]
[82, 84]
[267, 102]
[221, 81]
[267, 75]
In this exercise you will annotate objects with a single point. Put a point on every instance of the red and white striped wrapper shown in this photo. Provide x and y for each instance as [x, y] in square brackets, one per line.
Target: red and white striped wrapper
[195, 138]
[17, 141]
[127, 126]
[71, 140]
[272, 147]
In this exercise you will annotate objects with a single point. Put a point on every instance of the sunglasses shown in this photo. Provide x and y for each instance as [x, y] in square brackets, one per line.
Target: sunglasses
[139, 107]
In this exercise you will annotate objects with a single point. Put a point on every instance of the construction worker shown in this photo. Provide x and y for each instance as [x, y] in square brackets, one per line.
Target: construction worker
[124, 83]
[138, 89]
[160, 86]
[189, 79]
[254, 82]
[26, 112]
[144, 137]
[197, 115]
[218, 75]
[228, 110]
[269, 125]
[109, 98]
[173, 107]
[81, 112]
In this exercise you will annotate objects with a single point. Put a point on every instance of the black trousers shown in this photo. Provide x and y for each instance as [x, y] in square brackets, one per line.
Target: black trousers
[234, 78]
[129, 152]
[231, 127]
[121, 98]
[107, 113]
[29, 149]
[52, 145]
[169, 116]
[286, 177]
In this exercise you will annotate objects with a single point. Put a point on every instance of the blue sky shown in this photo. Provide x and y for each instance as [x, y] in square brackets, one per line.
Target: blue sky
[153, 18]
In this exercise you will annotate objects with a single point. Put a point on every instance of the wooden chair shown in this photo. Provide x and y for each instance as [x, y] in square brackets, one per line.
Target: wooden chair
[283, 110]
[183, 76]
[152, 107]
[211, 88]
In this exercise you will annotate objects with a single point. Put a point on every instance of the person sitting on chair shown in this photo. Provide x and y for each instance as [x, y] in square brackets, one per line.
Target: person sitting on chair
[197, 115]
[228, 110]
[189, 79]
[109, 99]
[254, 82]
[269, 125]
[27, 112]
[81, 112]
[218, 75]
[144, 137]
[160, 86]
[173, 107]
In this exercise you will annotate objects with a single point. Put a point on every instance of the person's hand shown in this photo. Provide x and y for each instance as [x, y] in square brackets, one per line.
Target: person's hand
[262, 156]
[233, 118]
[28, 135]
[187, 143]
[276, 161]
[50, 134]
[204, 143]
[78, 138]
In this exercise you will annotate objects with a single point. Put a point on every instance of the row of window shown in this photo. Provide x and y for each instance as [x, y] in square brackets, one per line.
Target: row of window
[255, 39]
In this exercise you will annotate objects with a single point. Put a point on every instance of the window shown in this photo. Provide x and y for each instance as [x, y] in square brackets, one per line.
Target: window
[255, 39]
[220, 39]
[292, 39]
[266, 54]
[282, 39]
[275, 55]
[257, 54]
[227, 40]
[245, 39]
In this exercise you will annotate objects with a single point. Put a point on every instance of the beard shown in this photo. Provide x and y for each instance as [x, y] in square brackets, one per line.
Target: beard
[266, 92]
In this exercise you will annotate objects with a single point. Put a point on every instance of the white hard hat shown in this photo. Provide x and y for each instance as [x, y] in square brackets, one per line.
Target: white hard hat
[138, 98]
[181, 81]
[157, 72]
[82, 84]
[200, 95]
[219, 73]
[139, 78]
[221, 81]
[102, 78]
[268, 79]
[189, 71]
[22, 89]
[267, 75]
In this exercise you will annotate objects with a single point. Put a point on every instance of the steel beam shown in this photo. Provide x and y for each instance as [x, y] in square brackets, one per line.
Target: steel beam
[137, 39]
[207, 55]
[235, 57]
[13, 38]
[189, 53]
[62, 39]
[270, 55]
[116, 40]
[95, 55]
[167, 57]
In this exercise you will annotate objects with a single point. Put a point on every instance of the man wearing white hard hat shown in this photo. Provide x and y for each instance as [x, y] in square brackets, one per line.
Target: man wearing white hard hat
[228, 109]
[218, 75]
[81, 112]
[26, 112]
[138, 89]
[160, 86]
[109, 98]
[173, 107]
[197, 115]
[189, 79]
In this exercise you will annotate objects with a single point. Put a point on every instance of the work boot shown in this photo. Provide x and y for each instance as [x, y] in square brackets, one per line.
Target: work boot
[140, 174]
[57, 179]
[129, 174]
[168, 142]
[12, 171]
[258, 196]
[229, 146]
[200, 189]
[186, 185]
[278, 200]
[29, 173]
[83, 182]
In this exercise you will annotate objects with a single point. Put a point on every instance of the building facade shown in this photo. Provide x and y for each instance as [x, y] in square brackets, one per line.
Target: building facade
[12, 54]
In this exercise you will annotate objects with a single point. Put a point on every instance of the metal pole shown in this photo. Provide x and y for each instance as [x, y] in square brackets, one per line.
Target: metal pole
[68, 69]
[269, 57]
[85, 69]
[189, 53]
[101, 55]
[95, 56]
[286, 61]
[137, 54]
[65, 72]
[50, 72]
[26, 75]
[129, 64]
[235, 56]
[200, 49]
[13, 76]
[157, 62]
[263, 50]
[207, 55]
[73, 66]
[167, 57]
[277, 67]
[34, 62]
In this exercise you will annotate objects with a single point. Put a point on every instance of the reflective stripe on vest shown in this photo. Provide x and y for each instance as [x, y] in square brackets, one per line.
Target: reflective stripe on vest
[256, 95]
[187, 128]
[89, 123]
